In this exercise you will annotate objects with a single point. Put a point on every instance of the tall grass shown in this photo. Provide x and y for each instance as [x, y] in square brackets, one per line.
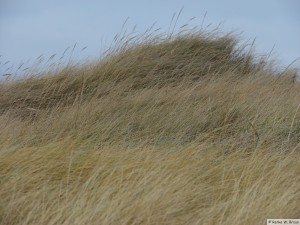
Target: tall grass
[181, 129]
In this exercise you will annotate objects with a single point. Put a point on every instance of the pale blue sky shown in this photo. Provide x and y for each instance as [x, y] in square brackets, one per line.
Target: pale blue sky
[29, 28]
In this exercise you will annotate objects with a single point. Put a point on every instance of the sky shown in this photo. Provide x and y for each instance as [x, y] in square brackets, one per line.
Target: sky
[30, 28]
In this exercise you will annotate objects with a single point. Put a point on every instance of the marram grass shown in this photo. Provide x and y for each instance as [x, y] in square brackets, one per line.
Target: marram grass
[182, 130]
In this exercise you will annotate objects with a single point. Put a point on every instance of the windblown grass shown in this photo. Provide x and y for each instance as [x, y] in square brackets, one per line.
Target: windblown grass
[188, 129]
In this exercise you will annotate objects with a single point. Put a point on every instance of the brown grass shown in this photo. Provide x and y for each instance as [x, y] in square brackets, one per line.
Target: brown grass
[183, 130]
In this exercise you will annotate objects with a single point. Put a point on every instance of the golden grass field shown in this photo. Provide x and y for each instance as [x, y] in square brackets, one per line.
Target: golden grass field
[190, 129]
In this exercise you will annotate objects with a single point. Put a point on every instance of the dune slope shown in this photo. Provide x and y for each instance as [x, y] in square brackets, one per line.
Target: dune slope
[185, 130]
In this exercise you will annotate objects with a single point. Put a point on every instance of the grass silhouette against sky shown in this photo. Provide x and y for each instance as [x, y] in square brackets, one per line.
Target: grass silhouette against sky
[30, 28]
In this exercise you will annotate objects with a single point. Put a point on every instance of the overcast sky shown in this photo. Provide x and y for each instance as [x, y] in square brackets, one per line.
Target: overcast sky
[29, 28]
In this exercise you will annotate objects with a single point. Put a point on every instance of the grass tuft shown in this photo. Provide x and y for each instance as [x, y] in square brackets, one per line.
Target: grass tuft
[183, 129]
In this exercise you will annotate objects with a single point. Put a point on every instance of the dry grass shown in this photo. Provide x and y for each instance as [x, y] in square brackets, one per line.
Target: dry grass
[184, 130]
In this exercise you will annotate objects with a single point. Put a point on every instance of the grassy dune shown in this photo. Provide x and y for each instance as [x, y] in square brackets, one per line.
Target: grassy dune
[189, 129]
